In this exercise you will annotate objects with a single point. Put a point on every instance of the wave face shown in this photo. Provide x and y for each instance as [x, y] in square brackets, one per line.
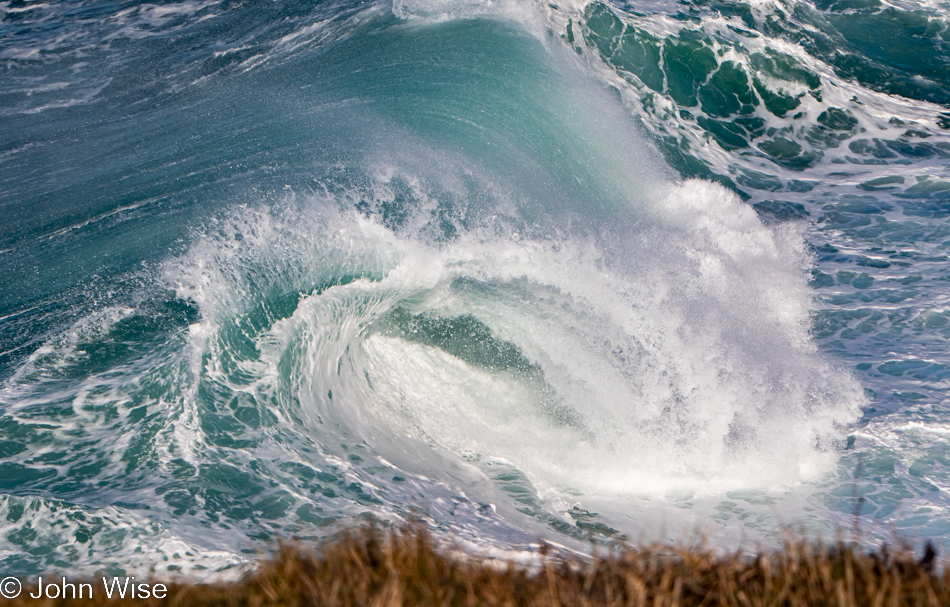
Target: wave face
[521, 271]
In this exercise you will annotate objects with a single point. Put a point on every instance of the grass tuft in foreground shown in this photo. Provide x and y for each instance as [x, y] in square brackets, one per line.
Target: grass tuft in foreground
[384, 569]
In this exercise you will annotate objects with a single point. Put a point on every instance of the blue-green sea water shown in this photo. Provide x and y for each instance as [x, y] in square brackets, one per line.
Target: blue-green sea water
[518, 270]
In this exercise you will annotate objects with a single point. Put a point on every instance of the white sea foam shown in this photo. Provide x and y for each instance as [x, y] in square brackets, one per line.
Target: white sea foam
[685, 364]
[93, 538]
[669, 355]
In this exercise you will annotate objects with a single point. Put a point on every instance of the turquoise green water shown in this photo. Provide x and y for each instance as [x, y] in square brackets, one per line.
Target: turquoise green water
[578, 272]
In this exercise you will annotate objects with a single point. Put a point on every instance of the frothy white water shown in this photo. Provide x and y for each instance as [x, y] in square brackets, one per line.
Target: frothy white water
[655, 345]
[112, 539]
[676, 356]
[637, 361]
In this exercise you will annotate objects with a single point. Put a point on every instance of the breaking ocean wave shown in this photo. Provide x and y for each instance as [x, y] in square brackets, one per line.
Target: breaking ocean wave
[521, 271]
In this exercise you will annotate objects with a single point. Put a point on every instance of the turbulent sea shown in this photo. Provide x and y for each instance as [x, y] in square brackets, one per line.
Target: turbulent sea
[518, 270]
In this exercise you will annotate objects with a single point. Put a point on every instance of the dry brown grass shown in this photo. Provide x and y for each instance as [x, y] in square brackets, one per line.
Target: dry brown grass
[383, 569]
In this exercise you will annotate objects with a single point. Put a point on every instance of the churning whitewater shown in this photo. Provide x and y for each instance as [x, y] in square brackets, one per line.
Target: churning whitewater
[520, 271]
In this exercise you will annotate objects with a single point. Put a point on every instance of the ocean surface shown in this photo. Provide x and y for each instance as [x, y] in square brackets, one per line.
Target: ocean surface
[517, 270]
